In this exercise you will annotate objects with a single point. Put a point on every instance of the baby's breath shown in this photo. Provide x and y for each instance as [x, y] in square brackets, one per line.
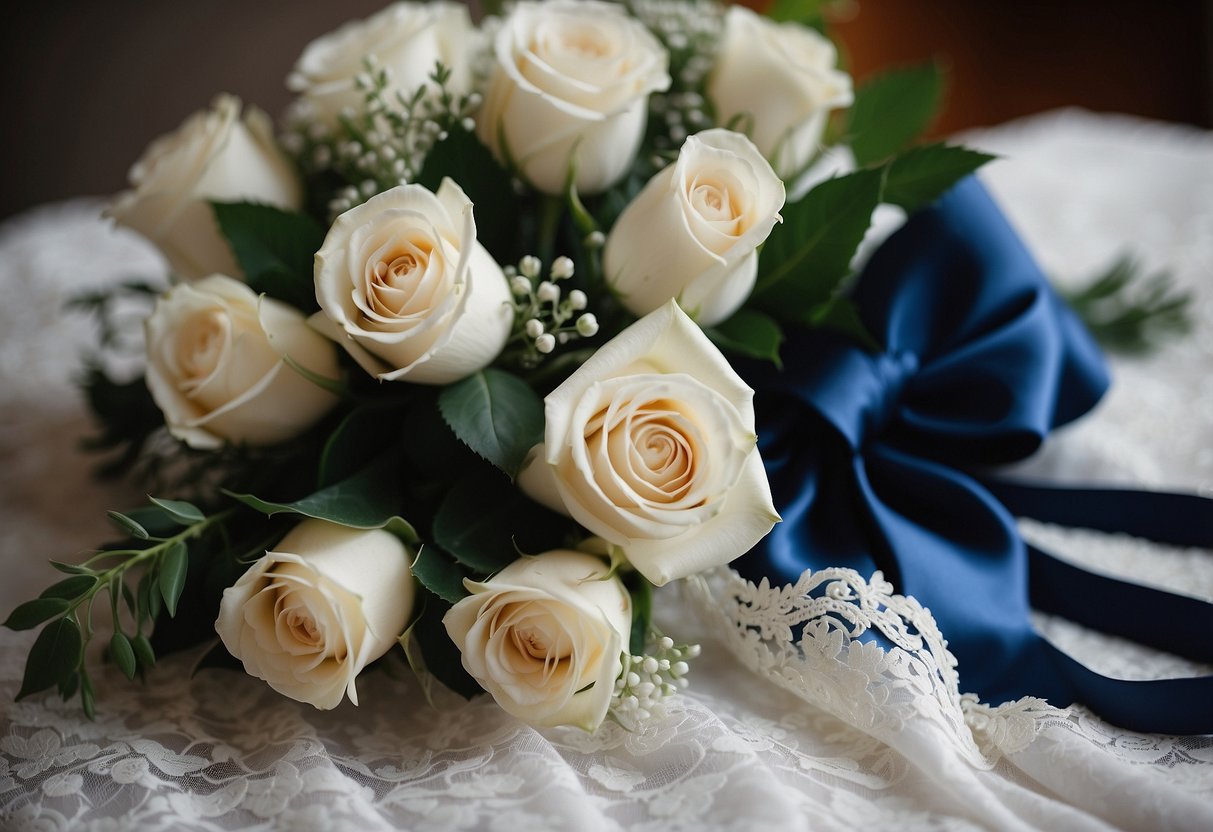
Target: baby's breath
[647, 682]
[383, 144]
[545, 316]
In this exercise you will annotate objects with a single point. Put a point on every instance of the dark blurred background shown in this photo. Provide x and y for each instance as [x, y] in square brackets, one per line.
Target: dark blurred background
[87, 85]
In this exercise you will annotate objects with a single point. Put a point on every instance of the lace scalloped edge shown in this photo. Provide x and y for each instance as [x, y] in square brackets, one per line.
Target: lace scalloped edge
[814, 638]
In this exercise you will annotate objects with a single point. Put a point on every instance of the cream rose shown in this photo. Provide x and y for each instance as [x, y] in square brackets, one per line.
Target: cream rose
[216, 365]
[783, 78]
[407, 289]
[215, 156]
[693, 232]
[570, 86]
[544, 637]
[650, 445]
[406, 39]
[309, 616]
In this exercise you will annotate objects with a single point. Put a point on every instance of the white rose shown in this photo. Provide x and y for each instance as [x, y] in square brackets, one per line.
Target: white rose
[309, 616]
[544, 637]
[216, 365]
[693, 232]
[571, 78]
[650, 445]
[783, 78]
[215, 156]
[406, 39]
[407, 289]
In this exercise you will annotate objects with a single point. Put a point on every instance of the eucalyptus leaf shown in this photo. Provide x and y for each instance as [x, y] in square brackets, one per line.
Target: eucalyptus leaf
[921, 175]
[275, 249]
[750, 333]
[70, 588]
[128, 525]
[143, 651]
[806, 259]
[185, 513]
[123, 654]
[495, 414]
[891, 110]
[174, 566]
[32, 613]
[54, 657]
[88, 695]
[438, 573]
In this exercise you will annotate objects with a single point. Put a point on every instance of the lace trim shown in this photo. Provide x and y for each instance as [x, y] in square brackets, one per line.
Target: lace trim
[834, 664]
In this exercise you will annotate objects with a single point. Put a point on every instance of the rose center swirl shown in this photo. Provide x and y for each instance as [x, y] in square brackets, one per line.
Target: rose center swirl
[200, 347]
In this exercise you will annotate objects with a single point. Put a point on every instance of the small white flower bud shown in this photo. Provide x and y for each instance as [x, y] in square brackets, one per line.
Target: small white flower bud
[587, 325]
[666, 643]
[577, 299]
[595, 239]
[650, 665]
[545, 343]
[534, 327]
[679, 668]
[548, 292]
[562, 268]
[519, 285]
[530, 265]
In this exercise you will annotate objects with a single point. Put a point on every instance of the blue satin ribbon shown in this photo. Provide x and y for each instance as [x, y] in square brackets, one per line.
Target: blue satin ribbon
[871, 459]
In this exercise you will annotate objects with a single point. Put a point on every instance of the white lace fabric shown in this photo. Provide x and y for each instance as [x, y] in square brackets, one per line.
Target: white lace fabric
[825, 733]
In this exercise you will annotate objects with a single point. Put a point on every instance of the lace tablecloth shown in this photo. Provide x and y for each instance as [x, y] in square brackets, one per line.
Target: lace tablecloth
[839, 737]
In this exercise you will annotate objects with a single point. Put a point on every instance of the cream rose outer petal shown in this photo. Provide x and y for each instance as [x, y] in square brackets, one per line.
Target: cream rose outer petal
[693, 232]
[407, 290]
[560, 604]
[217, 365]
[561, 473]
[784, 77]
[309, 617]
[571, 79]
[213, 156]
[406, 39]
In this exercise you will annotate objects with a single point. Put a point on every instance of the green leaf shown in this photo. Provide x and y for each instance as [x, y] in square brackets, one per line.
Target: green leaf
[642, 612]
[143, 651]
[842, 316]
[439, 574]
[807, 12]
[275, 249]
[921, 175]
[496, 415]
[484, 522]
[128, 525]
[750, 333]
[174, 565]
[463, 158]
[440, 656]
[88, 696]
[70, 588]
[367, 500]
[891, 110]
[54, 657]
[807, 257]
[122, 654]
[32, 613]
[356, 442]
[70, 568]
[69, 685]
[187, 514]
[1130, 310]
[155, 521]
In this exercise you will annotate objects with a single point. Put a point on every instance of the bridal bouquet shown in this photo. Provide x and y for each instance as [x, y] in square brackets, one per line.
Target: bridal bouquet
[448, 362]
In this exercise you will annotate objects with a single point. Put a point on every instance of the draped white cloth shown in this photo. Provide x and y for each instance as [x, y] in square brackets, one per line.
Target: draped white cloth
[831, 736]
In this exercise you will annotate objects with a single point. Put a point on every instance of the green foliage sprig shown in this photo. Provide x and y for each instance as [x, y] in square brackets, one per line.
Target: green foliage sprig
[1131, 310]
[160, 536]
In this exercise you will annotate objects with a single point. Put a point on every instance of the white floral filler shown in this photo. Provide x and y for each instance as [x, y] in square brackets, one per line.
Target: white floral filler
[508, 265]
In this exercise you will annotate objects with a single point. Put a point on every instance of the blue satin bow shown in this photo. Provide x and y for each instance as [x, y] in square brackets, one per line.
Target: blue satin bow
[871, 460]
